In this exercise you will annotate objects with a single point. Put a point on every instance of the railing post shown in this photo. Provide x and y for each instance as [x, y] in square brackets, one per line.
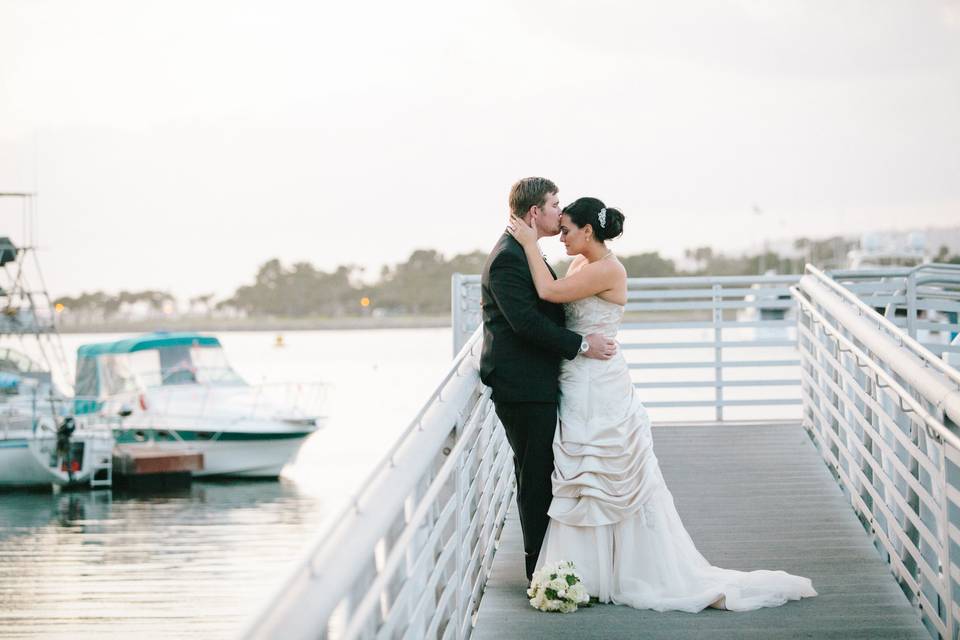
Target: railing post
[458, 551]
[943, 529]
[718, 351]
[805, 391]
[912, 305]
[456, 298]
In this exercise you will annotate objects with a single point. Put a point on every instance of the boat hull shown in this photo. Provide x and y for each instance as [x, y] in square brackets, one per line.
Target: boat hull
[25, 462]
[256, 455]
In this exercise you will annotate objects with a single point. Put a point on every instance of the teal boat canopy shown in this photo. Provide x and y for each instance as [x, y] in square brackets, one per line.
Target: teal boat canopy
[156, 340]
[175, 363]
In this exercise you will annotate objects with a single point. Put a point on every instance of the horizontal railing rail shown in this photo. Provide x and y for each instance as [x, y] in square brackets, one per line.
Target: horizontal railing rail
[883, 413]
[409, 557]
[710, 347]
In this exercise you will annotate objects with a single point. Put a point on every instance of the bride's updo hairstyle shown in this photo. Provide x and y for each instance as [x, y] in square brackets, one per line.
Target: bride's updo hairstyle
[584, 211]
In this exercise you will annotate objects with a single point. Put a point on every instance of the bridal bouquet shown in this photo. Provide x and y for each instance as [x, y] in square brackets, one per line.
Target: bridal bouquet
[557, 587]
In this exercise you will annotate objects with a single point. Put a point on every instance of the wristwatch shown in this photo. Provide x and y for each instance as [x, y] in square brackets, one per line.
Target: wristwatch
[584, 345]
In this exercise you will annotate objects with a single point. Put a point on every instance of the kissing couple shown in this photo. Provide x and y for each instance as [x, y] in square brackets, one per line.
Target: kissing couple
[589, 487]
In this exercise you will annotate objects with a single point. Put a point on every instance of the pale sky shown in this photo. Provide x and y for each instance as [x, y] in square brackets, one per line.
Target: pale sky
[178, 145]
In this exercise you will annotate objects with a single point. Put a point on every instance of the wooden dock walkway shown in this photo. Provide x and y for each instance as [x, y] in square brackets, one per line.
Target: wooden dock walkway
[752, 497]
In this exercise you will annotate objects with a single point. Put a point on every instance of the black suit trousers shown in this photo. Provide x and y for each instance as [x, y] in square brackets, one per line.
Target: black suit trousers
[530, 427]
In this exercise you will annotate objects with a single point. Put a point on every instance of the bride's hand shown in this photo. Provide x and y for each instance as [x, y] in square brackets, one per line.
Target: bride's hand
[523, 232]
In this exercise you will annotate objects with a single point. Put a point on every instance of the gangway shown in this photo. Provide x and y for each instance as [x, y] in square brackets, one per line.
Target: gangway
[797, 427]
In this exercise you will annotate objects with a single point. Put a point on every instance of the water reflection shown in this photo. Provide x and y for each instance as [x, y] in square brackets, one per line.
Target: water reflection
[190, 562]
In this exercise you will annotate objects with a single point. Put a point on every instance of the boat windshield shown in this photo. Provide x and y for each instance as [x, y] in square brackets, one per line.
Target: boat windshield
[15, 362]
[166, 366]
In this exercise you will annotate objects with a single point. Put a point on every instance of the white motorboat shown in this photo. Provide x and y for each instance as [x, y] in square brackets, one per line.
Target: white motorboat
[41, 444]
[179, 391]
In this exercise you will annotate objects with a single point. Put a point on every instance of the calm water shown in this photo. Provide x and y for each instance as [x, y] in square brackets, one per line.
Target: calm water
[195, 563]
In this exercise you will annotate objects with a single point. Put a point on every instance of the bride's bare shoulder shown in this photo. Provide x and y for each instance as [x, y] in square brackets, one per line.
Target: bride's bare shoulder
[576, 264]
[622, 269]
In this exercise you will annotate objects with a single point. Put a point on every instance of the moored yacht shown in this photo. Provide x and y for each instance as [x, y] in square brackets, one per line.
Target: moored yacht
[178, 390]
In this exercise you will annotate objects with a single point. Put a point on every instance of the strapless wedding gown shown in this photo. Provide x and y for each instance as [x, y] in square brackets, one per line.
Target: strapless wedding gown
[612, 513]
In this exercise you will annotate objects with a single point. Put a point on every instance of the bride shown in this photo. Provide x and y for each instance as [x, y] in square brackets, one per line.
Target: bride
[612, 513]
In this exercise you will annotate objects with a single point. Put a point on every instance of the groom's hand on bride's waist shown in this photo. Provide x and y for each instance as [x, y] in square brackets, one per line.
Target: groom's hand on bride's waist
[601, 347]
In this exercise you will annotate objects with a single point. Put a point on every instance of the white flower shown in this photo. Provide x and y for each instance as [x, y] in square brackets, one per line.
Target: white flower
[579, 593]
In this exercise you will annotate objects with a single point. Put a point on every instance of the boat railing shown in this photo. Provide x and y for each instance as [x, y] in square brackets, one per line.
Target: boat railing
[410, 555]
[709, 348]
[41, 414]
[171, 406]
[884, 413]
[15, 424]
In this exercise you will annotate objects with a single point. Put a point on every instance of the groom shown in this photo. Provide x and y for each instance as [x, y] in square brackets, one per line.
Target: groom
[523, 341]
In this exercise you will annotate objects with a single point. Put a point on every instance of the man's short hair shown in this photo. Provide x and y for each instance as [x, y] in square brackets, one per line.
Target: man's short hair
[529, 192]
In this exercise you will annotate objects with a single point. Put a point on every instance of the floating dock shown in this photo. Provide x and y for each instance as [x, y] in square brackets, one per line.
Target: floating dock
[142, 467]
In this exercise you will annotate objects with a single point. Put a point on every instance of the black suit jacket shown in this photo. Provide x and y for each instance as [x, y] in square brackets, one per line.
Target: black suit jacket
[523, 336]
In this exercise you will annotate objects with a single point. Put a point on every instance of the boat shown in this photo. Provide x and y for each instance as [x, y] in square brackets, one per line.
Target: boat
[179, 392]
[41, 442]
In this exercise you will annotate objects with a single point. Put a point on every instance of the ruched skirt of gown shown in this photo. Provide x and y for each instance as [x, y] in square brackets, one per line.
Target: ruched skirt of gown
[614, 517]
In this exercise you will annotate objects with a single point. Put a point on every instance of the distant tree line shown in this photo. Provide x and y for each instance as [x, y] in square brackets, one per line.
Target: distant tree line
[421, 285]
[99, 306]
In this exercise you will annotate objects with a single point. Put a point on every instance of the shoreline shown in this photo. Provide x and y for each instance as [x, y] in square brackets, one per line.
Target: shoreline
[259, 324]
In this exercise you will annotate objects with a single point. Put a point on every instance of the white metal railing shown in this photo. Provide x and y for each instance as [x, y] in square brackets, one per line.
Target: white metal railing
[884, 412]
[887, 325]
[464, 308]
[705, 347]
[410, 556]
[923, 301]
